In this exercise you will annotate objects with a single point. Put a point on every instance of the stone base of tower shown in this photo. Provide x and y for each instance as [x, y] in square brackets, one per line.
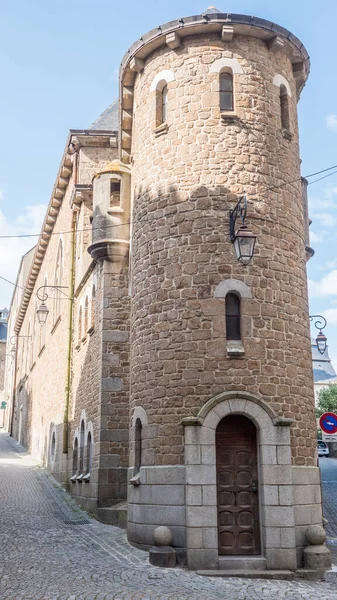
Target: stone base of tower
[218, 516]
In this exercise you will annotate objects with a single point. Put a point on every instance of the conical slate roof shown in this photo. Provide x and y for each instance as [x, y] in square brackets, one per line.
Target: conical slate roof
[108, 120]
[211, 10]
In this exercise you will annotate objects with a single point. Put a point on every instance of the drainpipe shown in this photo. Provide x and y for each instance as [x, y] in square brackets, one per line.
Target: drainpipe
[70, 328]
[14, 389]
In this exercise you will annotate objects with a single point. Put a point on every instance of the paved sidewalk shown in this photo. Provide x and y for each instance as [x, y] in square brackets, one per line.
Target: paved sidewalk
[52, 550]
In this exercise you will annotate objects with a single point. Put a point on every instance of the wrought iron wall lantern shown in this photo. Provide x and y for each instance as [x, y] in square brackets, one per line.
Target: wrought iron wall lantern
[243, 239]
[321, 340]
[43, 310]
[13, 341]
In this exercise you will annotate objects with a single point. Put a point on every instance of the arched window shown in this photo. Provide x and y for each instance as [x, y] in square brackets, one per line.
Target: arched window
[138, 445]
[75, 457]
[81, 462]
[162, 103]
[284, 105]
[226, 91]
[89, 454]
[233, 326]
[58, 281]
[93, 306]
[80, 324]
[164, 95]
[86, 315]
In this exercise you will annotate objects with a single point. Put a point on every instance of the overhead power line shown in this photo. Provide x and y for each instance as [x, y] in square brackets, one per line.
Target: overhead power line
[270, 189]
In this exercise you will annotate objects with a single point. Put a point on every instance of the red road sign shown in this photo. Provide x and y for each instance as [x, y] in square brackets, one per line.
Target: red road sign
[328, 423]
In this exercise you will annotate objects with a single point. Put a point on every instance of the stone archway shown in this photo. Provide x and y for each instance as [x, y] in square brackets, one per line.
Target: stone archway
[274, 466]
[237, 486]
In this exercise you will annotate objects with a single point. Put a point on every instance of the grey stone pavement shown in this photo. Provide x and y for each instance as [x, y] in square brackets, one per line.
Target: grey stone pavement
[52, 550]
[329, 488]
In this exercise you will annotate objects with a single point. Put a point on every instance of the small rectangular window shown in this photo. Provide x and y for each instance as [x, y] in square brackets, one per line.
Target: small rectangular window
[115, 193]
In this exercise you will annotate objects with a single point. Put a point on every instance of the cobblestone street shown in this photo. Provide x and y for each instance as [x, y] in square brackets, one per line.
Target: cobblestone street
[52, 550]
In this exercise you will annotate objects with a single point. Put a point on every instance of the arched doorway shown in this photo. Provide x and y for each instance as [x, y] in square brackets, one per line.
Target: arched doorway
[237, 486]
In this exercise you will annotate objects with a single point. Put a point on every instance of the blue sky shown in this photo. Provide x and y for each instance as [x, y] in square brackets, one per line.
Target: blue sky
[59, 63]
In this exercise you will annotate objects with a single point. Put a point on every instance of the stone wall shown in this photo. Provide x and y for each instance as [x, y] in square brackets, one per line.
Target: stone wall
[185, 181]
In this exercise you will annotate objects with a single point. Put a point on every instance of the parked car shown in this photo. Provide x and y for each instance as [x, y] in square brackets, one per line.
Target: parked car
[323, 449]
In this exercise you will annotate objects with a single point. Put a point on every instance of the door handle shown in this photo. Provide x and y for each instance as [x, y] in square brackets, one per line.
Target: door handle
[254, 486]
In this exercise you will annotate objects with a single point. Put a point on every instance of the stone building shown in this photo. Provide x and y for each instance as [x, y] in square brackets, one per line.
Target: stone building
[323, 369]
[170, 374]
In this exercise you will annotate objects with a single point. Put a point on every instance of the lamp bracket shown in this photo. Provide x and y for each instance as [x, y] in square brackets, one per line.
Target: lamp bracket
[43, 295]
[320, 323]
[239, 211]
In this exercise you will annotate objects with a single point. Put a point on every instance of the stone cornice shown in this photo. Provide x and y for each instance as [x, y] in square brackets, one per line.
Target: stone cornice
[226, 25]
[54, 205]
[76, 139]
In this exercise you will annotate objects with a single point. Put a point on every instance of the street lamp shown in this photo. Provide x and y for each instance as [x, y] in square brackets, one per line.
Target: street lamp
[243, 239]
[321, 339]
[43, 311]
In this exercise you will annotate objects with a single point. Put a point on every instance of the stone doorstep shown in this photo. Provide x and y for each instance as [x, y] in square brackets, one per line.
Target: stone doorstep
[116, 515]
[249, 574]
[242, 563]
[307, 574]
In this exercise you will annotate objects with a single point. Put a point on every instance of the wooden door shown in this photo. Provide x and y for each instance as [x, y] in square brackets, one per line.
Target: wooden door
[237, 486]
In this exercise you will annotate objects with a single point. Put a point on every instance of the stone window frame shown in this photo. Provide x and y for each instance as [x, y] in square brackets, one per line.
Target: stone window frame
[148, 432]
[159, 84]
[284, 100]
[52, 453]
[275, 480]
[234, 68]
[235, 348]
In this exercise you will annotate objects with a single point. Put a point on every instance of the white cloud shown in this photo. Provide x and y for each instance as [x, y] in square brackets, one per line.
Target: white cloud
[331, 316]
[325, 219]
[11, 249]
[331, 123]
[327, 286]
[315, 238]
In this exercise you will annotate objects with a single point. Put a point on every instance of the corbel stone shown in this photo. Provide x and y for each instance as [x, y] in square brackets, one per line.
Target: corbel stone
[173, 40]
[127, 97]
[227, 33]
[126, 157]
[299, 71]
[126, 140]
[62, 183]
[113, 142]
[136, 64]
[65, 172]
[127, 119]
[276, 44]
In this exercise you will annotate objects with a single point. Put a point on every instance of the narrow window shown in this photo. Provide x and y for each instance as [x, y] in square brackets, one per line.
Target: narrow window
[75, 457]
[93, 305]
[164, 95]
[89, 454]
[284, 104]
[233, 317]
[161, 103]
[80, 324]
[138, 445]
[81, 466]
[86, 315]
[115, 193]
[226, 91]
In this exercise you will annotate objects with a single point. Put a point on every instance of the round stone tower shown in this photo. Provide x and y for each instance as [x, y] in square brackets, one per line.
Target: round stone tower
[223, 433]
